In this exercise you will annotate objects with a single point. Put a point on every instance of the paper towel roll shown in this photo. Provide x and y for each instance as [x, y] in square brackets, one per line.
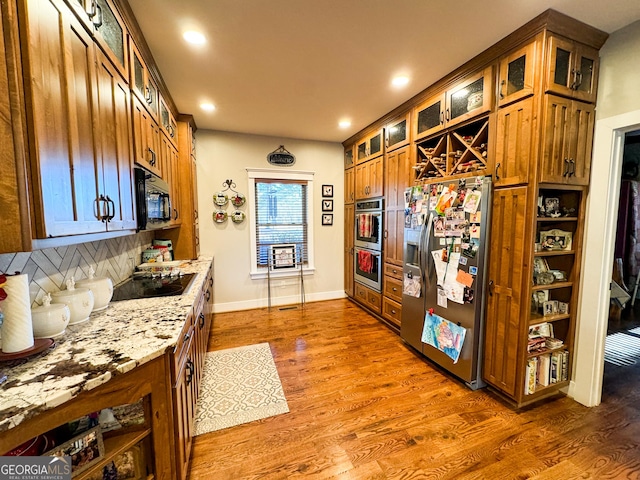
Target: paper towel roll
[17, 330]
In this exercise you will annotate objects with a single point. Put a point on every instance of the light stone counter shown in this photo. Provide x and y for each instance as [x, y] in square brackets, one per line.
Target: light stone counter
[127, 334]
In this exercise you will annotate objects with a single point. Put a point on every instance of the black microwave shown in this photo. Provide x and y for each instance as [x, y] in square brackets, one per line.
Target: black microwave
[153, 203]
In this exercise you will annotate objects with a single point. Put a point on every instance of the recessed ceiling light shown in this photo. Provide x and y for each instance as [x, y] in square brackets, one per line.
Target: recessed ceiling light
[193, 37]
[344, 123]
[207, 107]
[400, 81]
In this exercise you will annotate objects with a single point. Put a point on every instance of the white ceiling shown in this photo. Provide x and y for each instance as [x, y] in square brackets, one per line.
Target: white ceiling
[294, 68]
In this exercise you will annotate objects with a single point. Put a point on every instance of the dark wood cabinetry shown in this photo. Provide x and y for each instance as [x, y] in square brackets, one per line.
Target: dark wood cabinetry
[514, 152]
[146, 139]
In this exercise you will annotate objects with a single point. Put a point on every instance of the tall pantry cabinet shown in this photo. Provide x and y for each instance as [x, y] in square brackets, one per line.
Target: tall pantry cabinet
[522, 112]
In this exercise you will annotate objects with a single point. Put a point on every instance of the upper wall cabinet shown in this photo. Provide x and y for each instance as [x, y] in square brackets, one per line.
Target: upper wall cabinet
[102, 19]
[517, 74]
[78, 189]
[369, 147]
[142, 84]
[397, 132]
[465, 100]
[348, 157]
[573, 69]
[168, 122]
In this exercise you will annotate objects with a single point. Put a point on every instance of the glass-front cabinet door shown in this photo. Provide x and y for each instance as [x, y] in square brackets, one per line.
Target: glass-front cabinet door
[369, 147]
[573, 69]
[111, 34]
[397, 132]
[428, 117]
[517, 74]
[348, 157]
[470, 98]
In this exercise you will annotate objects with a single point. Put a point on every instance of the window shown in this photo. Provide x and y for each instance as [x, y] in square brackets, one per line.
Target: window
[282, 214]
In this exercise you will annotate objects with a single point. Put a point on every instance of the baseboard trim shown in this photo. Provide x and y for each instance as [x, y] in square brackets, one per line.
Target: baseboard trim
[278, 301]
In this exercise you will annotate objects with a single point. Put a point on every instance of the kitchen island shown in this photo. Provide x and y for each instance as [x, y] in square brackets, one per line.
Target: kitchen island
[131, 351]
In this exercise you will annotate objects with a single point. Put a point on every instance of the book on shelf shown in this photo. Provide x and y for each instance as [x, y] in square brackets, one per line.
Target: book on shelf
[530, 375]
[544, 367]
[553, 368]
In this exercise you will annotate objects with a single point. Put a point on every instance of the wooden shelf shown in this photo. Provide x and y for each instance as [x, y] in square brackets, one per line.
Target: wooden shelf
[553, 286]
[114, 446]
[557, 219]
[545, 391]
[552, 253]
[536, 319]
[545, 351]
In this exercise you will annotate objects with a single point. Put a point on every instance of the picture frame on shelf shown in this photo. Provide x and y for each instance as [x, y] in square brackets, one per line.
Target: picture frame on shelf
[563, 308]
[550, 307]
[327, 190]
[555, 240]
[85, 449]
[540, 265]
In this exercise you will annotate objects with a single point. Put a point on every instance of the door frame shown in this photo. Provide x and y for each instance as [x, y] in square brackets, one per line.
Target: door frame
[597, 260]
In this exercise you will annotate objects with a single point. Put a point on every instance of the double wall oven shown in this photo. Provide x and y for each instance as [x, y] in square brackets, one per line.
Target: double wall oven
[368, 243]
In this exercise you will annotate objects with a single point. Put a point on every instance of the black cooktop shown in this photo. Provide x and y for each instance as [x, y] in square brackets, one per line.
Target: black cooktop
[146, 287]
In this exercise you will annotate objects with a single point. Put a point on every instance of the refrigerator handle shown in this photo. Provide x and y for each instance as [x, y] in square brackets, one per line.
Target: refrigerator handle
[425, 239]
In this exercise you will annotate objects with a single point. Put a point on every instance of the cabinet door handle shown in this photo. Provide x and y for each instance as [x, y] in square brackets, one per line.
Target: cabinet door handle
[97, 22]
[572, 164]
[394, 271]
[111, 208]
[446, 116]
[566, 168]
[190, 367]
[393, 311]
[96, 208]
[441, 118]
[386, 234]
[502, 83]
[195, 214]
[186, 338]
[175, 213]
[92, 12]
[578, 79]
[497, 169]
[394, 289]
[152, 160]
[201, 318]
[490, 288]
[211, 281]
[208, 295]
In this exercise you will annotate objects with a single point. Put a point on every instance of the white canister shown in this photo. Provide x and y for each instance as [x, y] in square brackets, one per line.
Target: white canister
[101, 287]
[79, 301]
[50, 320]
[17, 331]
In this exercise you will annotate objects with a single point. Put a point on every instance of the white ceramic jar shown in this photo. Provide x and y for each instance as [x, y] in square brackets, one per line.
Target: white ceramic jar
[50, 320]
[79, 301]
[101, 287]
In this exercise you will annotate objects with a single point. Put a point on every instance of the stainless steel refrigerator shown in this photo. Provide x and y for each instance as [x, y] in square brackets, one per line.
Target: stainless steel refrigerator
[445, 260]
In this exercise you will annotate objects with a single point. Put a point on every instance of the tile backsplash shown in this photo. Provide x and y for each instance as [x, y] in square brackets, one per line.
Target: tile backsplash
[50, 268]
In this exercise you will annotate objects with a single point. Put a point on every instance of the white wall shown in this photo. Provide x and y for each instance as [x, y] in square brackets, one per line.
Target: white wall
[618, 110]
[221, 156]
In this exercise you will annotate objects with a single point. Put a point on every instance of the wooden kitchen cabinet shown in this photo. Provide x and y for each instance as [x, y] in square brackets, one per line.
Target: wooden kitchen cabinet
[142, 84]
[349, 236]
[573, 69]
[171, 169]
[368, 297]
[506, 304]
[517, 73]
[469, 98]
[186, 238]
[398, 176]
[349, 185]
[168, 122]
[567, 140]
[514, 152]
[369, 179]
[80, 163]
[102, 19]
[398, 132]
[146, 139]
[349, 160]
[369, 147]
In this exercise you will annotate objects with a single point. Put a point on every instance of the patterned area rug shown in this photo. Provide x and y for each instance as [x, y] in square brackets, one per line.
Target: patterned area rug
[239, 385]
[623, 348]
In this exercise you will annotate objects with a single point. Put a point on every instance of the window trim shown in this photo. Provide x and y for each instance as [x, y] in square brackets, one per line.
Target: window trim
[271, 174]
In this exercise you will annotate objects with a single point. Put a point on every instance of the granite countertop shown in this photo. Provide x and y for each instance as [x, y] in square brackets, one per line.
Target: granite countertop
[127, 334]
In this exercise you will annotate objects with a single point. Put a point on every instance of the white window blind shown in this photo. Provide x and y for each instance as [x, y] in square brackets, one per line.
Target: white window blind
[281, 216]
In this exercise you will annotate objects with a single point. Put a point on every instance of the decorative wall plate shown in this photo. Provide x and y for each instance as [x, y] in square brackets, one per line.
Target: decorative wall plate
[219, 216]
[237, 199]
[238, 216]
[220, 199]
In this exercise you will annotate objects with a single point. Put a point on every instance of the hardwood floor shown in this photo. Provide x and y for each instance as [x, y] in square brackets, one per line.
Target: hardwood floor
[363, 406]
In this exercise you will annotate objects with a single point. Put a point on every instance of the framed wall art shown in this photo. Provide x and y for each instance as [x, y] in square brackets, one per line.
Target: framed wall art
[327, 190]
[283, 257]
[327, 219]
[327, 205]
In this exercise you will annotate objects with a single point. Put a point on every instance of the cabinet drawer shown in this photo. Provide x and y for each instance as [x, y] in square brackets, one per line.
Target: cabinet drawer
[392, 311]
[393, 271]
[182, 344]
[369, 298]
[393, 288]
